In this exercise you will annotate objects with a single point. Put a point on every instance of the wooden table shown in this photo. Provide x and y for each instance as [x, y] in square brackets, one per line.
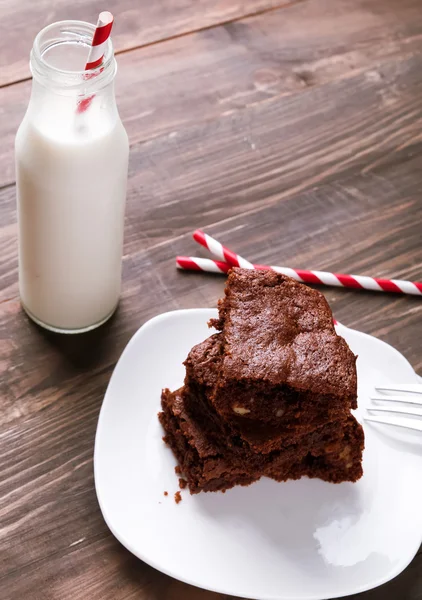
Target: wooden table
[289, 130]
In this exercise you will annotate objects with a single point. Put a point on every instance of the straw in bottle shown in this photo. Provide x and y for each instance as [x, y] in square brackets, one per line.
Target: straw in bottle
[96, 52]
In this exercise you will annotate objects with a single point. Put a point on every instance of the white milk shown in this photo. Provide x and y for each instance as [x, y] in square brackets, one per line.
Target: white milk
[71, 187]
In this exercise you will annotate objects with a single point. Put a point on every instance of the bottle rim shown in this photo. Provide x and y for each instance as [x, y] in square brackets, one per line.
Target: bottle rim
[82, 82]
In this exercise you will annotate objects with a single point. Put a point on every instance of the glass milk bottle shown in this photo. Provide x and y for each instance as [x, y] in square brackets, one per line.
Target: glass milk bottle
[71, 171]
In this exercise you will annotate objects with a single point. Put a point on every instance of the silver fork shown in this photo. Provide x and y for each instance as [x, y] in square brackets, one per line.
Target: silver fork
[405, 394]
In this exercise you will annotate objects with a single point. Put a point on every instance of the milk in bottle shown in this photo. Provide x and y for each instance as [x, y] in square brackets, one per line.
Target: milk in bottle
[71, 171]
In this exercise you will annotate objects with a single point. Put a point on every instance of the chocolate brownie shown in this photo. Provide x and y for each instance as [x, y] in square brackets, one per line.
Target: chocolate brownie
[209, 464]
[302, 414]
[202, 462]
[268, 396]
[280, 352]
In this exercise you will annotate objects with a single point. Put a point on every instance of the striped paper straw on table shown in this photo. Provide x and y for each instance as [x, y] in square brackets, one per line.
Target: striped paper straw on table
[227, 259]
[193, 263]
[96, 52]
[220, 251]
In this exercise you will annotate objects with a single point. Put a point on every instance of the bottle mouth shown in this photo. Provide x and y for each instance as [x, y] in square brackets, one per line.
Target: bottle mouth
[59, 55]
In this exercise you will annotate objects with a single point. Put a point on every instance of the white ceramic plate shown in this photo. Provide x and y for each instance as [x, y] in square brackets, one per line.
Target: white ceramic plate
[300, 540]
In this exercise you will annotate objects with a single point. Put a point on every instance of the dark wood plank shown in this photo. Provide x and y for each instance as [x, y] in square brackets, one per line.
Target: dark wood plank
[137, 23]
[290, 156]
[194, 79]
[363, 222]
[250, 158]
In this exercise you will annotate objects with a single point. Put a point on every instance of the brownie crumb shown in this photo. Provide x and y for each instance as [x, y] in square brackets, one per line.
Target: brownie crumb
[166, 493]
[182, 483]
[178, 470]
[177, 497]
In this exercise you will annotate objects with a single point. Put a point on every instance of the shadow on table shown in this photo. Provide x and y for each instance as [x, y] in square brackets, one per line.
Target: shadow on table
[81, 350]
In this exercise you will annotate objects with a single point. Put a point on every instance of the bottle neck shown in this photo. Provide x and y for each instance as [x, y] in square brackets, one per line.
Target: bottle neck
[58, 59]
[43, 88]
[59, 90]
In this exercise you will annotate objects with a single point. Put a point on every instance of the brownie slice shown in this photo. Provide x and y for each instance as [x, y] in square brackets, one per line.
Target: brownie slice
[210, 464]
[339, 460]
[280, 352]
[201, 459]
[300, 415]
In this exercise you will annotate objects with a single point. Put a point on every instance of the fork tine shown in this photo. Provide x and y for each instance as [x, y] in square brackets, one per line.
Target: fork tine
[406, 423]
[408, 399]
[398, 410]
[412, 388]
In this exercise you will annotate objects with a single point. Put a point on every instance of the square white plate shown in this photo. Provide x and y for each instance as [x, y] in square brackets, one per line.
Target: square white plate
[300, 540]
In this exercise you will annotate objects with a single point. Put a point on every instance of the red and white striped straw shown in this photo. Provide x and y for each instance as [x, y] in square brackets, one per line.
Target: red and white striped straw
[192, 263]
[228, 258]
[220, 251]
[96, 52]
[99, 41]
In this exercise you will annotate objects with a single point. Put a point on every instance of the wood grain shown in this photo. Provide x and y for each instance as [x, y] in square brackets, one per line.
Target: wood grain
[59, 390]
[136, 23]
[297, 144]
[193, 79]
[252, 157]
[362, 223]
